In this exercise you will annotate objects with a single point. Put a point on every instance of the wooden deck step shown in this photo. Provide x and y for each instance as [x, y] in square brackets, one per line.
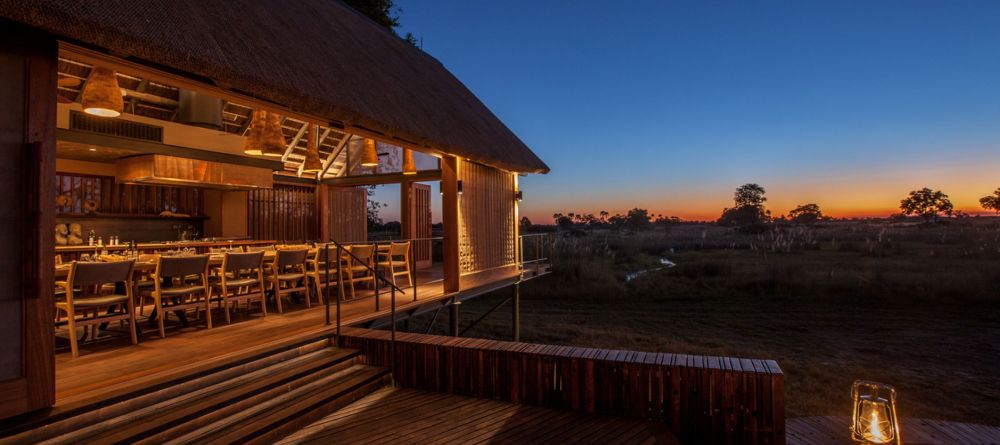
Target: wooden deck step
[167, 412]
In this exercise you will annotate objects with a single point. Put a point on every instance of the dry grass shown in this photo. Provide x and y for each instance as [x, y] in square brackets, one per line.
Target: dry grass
[911, 306]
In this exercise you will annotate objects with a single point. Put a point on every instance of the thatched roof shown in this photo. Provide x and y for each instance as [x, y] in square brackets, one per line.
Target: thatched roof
[318, 57]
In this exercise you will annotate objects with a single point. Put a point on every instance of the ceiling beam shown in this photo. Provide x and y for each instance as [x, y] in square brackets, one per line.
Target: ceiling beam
[333, 153]
[295, 141]
[147, 147]
[384, 178]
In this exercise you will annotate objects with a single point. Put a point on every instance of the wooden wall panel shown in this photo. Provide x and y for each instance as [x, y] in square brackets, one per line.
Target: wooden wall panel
[286, 213]
[27, 139]
[347, 214]
[422, 250]
[487, 218]
[122, 199]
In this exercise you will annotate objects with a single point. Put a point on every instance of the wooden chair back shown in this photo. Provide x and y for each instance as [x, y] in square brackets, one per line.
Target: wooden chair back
[363, 252]
[182, 266]
[399, 249]
[97, 274]
[290, 258]
[236, 262]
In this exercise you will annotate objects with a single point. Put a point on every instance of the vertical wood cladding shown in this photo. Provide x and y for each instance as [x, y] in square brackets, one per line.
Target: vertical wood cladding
[348, 214]
[284, 213]
[486, 218]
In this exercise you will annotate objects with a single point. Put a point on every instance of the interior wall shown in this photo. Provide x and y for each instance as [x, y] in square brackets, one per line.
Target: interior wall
[487, 218]
[233, 216]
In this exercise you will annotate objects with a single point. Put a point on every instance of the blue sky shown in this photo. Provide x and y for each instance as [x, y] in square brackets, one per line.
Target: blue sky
[671, 105]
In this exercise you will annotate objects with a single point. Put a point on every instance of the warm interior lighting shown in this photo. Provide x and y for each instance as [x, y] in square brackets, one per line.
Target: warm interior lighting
[254, 133]
[369, 155]
[874, 415]
[409, 167]
[273, 138]
[312, 164]
[101, 95]
[459, 186]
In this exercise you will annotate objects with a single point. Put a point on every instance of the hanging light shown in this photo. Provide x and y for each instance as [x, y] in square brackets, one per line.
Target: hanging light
[273, 138]
[254, 132]
[101, 95]
[312, 164]
[409, 167]
[875, 418]
[369, 156]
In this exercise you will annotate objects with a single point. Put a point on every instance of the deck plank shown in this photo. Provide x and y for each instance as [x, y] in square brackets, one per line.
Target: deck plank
[832, 430]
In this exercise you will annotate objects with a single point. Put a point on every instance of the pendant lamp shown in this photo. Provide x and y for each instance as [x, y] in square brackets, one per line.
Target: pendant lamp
[369, 156]
[274, 138]
[409, 167]
[254, 132]
[312, 164]
[101, 95]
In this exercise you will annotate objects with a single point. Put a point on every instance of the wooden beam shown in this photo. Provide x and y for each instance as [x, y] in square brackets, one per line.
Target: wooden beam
[383, 178]
[406, 220]
[147, 147]
[295, 141]
[333, 153]
[449, 213]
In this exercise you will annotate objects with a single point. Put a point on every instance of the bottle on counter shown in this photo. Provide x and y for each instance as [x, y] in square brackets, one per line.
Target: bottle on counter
[100, 241]
[90, 238]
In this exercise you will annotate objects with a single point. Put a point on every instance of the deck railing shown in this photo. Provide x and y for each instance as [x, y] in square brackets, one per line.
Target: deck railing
[701, 399]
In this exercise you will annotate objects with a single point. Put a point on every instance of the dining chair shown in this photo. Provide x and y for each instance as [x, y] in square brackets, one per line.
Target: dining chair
[288, 275]
[241, 279]
[361, 261]
[318, 273]
[267, 248]
[396, 262]
[181, 283]
[143, 283]
[87, 297]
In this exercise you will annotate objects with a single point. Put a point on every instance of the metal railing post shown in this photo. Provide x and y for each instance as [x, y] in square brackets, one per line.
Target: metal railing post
[340, 288]
[326, 281]
[375, 280]
[392, 339]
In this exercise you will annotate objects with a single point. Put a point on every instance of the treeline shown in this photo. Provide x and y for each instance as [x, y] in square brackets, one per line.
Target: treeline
[749, 211]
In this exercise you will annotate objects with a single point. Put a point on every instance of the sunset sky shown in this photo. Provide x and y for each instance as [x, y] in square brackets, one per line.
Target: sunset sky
[671, 105]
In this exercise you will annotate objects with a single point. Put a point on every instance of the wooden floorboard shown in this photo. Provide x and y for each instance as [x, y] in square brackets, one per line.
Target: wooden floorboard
[115, 365]
[429, 418]
[822, 430]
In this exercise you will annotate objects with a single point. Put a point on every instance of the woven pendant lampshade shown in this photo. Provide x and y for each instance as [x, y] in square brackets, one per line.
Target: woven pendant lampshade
[254, 131]
[101, 95]
[312, 164]
[274, 139]
[369, 156]
[409, 167]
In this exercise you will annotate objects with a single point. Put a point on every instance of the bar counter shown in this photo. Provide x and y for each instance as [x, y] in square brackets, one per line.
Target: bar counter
[200, 246]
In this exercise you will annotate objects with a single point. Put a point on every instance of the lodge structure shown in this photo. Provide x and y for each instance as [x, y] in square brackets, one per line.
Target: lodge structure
[188, 257]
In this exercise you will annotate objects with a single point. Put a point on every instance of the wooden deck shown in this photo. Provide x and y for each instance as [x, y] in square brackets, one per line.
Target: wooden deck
[836, 430]
[115, 366]
[401, 416]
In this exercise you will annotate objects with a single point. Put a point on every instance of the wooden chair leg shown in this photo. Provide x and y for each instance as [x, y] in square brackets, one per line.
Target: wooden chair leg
[225, 305]
[263, 301]
[160, 315]
[130, 307]
[277, 297]
[208, 308]
[71, 325]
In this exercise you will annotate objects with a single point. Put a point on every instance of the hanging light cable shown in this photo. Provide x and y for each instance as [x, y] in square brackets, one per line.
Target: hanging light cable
[101, 95]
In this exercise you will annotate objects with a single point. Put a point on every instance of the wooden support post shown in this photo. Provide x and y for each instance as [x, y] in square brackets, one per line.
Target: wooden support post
[449, 213]
[515, 307]
[406, 227]
[453, 318]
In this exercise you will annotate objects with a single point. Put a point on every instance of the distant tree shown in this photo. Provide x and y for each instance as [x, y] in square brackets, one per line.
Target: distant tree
[749, 195]
[383, 12]
[748, 207]
[991, 202]
[617, 220]
[806, 214]
[525, 222]
[604, 215]
[637, 219]
[927, 204]
[563, 221]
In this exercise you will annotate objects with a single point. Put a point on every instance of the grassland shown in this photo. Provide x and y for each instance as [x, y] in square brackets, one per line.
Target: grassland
[912, 305]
